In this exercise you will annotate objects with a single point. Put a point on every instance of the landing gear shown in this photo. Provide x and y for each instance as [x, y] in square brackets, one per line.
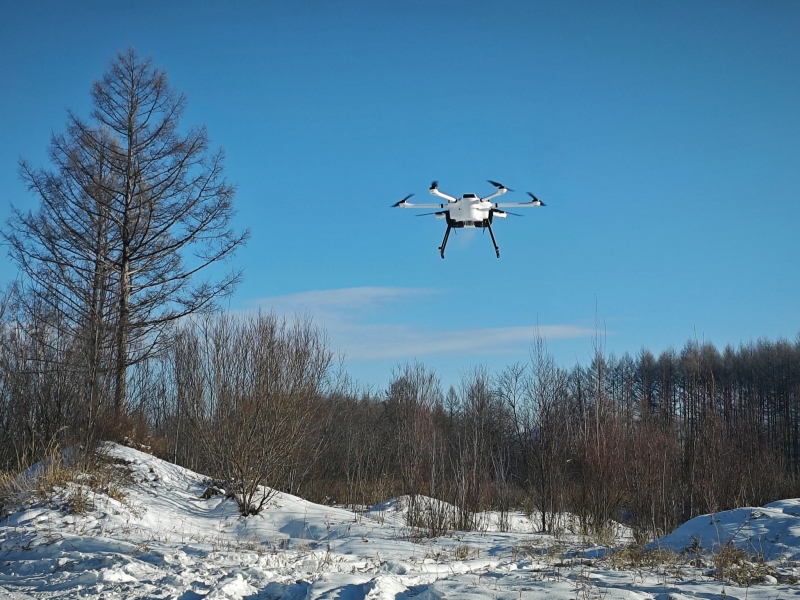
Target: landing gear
[491, 233]
[444, 241]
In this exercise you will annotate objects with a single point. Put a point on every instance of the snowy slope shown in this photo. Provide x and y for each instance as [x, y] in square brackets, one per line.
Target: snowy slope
[772, 531]
[164, 541]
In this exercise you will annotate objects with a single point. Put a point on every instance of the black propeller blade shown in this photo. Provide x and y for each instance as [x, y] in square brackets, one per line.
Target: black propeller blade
[435, 185]
[396, 204]
[536, 200]
[499, 186]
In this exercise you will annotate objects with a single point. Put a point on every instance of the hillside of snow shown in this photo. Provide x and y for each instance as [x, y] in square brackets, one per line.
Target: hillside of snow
[158, 538]
[772, 531]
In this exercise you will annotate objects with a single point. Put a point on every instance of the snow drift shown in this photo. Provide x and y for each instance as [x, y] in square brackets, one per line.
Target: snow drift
[159, 538]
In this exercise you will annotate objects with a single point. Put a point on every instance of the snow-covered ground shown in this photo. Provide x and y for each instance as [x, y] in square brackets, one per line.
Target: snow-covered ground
[162, 540]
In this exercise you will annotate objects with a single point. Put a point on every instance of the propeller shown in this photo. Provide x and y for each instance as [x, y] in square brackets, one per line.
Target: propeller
[441, 212]
[435, 185]
[536, 201]
[499, 186]
[396, 204]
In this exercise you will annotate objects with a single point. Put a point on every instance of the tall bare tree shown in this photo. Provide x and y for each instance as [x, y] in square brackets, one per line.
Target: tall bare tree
[63, 249]
[146, 205]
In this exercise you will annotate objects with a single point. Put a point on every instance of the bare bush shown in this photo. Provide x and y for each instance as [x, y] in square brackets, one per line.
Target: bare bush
[249, 388]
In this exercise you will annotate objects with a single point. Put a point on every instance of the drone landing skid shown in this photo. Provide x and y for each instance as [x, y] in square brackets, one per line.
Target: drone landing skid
[494, 243]
[447, 235]
[444, 241]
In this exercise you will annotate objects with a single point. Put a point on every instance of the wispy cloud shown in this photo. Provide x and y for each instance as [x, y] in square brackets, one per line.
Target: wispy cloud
[349, 317]
[340, 302]
[377, 342]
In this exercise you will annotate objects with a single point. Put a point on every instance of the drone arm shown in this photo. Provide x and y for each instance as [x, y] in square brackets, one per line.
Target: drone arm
[499, 192]
[534, 202]
[409, 205]
[435, 191]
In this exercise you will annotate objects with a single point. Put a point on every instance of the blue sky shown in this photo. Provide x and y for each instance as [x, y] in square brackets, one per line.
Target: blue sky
[663, 136]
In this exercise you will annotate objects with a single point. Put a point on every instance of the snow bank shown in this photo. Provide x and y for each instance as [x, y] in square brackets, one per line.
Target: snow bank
[771, 532]
[163, 540]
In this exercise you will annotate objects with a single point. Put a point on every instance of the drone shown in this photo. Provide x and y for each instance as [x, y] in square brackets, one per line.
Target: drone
[469, 210]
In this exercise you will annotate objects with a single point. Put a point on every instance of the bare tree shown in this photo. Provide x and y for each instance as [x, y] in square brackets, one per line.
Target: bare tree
[410, 399]
[63, 248]
[132, 213]
[537, 401]
[412, 394]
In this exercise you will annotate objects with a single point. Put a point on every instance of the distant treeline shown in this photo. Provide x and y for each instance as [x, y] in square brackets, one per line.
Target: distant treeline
[649, 441]
[643, 440]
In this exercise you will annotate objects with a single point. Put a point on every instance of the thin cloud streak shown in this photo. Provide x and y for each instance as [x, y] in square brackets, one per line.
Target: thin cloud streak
[380, 342]
[343, 313]
[337, 303]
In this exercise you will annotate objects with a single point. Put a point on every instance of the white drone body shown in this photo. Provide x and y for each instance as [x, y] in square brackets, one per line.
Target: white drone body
[470, 210]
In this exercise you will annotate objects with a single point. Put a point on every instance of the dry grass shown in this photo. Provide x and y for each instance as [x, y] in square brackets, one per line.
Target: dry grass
[729, 563]
[602, 536]
[737, 565]
[464, 552]
[431, 518]
[6, 482]
[73, 479]
[635, 556]
[41, 479]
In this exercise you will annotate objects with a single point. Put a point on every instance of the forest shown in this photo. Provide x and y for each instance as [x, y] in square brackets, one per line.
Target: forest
[257, 400]
[109, 333]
